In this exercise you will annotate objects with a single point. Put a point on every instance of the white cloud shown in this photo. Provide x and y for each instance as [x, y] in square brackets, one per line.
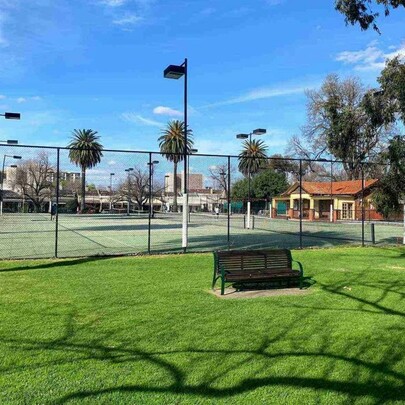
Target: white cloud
[161, 110]
[2, 96]
[263, 93]
[128, 19]
[370, 58]
[113, 3]
[138, 119]
[25, 99]
[274, 2]
[111, 163]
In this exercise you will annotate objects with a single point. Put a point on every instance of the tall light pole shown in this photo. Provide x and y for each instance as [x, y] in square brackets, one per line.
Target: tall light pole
[258, 131]
[111, 177]
[129, 170]
[175, 72]
[2, 178]
[151, 172]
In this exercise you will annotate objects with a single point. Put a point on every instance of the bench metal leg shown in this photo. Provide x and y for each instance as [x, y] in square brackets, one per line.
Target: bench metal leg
[214, 280]
[222, 286]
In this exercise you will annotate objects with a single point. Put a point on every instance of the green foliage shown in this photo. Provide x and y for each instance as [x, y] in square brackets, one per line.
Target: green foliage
[172, 146]
[172, 142]
[360, 11]
[392, 81]
[264, 185]
[391, 188]
[252, 157]
[71, 206]
[85, 152]
[146, 330]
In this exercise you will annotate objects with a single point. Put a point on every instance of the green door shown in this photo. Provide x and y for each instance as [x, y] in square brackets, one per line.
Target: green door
[281, 208]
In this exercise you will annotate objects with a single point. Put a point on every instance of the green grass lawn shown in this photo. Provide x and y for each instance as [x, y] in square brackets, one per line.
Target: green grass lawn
[146, 330]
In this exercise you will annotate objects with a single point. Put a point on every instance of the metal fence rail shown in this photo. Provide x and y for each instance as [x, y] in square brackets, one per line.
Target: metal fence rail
[131, 206]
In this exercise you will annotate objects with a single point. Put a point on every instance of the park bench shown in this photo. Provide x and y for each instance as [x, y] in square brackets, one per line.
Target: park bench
[255, 266]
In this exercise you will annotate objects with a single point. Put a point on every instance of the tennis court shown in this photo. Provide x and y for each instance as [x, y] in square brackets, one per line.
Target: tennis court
[34, 235]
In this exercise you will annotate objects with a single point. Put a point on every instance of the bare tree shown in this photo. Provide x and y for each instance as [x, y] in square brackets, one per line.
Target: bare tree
[340, 125]
[35, 178]
[219, 176]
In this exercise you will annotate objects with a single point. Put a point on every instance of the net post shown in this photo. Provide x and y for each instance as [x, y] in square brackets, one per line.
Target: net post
[57, 201]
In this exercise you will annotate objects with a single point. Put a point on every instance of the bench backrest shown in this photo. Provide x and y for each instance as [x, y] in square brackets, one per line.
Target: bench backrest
[251, 260]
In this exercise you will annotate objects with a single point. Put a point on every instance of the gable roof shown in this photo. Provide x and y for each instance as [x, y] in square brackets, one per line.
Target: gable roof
[349, 187]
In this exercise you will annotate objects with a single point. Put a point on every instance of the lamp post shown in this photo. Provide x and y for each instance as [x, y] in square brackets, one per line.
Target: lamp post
[175, 72]
[2, 178]
[11, 116]
[111, 177]
[129, 170]
[258, 131]
[151, 171]
[165, 186]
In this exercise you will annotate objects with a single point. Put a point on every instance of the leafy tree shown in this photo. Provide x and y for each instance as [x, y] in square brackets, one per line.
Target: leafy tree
[391, 188]
[36, 179]
[85, 152]
[268, 184]
[253, 157]
[172, 145]
[392, 96]
[265, 185]
[340, 123]
[360, 11]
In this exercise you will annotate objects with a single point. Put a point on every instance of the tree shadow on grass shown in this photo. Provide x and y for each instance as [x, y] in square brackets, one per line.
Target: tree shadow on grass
[384, 381]
[53, 264]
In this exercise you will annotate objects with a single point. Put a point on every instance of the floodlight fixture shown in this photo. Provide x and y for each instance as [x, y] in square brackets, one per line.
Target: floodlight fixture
[242, 136]
[10, 142]
[259, 131]
[14, 166]
[11, 116]
[174, 71]
[193, 150]
[17, 157]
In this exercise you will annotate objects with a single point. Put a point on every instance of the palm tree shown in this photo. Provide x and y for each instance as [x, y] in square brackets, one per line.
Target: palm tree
[85, 152]
[252, 157]
[171, 144]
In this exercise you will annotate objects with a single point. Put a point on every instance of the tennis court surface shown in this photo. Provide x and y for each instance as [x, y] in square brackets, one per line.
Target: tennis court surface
[35, 235]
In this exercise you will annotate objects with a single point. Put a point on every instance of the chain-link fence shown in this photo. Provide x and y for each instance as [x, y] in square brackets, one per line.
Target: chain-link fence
[134, 203]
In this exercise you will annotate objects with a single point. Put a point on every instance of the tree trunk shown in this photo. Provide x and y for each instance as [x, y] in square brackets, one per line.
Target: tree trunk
[175, 187]
[83, 201]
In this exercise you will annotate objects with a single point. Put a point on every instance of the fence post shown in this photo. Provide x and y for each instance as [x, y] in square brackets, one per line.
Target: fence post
[373, 233]
[150, 200]
[57, 201]
[229, 202]
[301, 210]
[362, 204]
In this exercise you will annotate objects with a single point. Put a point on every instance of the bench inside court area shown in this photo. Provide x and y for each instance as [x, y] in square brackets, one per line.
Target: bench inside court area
[256, 266]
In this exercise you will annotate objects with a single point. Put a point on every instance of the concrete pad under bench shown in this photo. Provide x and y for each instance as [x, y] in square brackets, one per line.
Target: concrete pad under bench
[231, 293]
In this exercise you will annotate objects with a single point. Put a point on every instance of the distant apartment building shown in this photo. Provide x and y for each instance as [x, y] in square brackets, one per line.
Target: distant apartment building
[195, 182]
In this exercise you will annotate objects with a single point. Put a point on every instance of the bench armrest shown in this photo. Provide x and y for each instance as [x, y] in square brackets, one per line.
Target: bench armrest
[300, 266]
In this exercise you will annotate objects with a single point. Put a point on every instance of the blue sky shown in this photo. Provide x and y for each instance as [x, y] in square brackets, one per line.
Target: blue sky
[98, 64]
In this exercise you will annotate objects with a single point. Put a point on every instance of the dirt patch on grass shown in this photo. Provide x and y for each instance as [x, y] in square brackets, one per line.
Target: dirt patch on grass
[232, 293]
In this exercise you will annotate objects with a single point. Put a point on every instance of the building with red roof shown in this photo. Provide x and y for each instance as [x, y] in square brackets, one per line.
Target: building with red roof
[333, 200]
